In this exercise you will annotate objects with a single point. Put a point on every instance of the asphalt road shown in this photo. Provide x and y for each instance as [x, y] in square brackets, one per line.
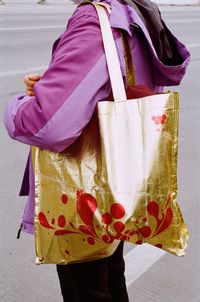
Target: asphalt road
[26, 35]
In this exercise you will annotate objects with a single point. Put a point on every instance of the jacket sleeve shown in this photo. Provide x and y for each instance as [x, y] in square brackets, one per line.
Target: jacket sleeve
[66, 95]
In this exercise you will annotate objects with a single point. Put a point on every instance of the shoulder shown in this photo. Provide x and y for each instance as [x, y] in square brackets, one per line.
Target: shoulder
[82, 13]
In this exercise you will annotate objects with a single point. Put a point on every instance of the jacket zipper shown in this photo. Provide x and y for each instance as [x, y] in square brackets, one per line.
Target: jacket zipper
[19, 231]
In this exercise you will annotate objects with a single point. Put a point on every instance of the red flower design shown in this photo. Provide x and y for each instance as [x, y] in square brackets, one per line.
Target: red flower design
[86, 206]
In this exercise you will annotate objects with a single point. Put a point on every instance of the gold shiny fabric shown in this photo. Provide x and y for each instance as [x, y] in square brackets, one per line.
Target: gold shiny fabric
[118, 181]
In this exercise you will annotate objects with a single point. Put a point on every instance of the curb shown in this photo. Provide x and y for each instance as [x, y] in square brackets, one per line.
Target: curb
[179, 5]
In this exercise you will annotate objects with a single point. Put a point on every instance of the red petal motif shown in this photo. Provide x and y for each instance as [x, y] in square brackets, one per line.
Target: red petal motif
[43, 221]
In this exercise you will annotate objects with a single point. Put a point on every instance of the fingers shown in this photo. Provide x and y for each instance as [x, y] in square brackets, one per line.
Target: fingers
[29, 87]
[29, 82]
[29, 92]
[34, 76]
[31, 79]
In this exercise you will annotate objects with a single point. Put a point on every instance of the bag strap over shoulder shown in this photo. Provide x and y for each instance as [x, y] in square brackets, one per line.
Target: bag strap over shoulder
[130, 73]
[112, 59]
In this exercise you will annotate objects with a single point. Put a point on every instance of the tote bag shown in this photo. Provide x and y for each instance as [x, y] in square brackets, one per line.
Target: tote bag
[118, 181]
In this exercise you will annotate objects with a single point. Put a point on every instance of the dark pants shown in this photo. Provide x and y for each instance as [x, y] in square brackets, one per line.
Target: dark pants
[95, 281]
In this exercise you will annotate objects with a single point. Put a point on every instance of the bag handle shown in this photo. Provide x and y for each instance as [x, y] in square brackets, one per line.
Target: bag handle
[114, 69]
[130, 73]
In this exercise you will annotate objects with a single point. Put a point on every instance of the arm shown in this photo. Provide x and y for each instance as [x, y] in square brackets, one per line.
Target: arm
[66, 95]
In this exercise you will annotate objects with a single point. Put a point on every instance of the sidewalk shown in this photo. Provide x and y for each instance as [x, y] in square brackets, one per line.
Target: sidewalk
[60, 6]
[63, 2]
[177, 2]
[63, 6]
[28, 2]
[32, 7]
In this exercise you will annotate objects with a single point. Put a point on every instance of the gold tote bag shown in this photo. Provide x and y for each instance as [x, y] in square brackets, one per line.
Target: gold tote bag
[118, 181]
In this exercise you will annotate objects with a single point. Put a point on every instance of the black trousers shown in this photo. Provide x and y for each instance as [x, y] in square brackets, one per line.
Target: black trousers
[95, 281]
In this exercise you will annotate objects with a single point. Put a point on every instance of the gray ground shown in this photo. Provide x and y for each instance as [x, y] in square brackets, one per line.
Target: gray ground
[170, 278]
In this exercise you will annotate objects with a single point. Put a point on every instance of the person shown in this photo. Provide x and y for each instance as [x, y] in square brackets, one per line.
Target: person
[64, 98]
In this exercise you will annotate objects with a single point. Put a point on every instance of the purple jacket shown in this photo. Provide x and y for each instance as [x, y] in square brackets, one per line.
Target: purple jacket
[77, 77]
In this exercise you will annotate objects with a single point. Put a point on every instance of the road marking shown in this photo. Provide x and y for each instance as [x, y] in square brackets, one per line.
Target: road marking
[139, 260]
[31, 28]
[183, 21]
[63, 26]
[174, 9]
[193, 45]
[22, 71]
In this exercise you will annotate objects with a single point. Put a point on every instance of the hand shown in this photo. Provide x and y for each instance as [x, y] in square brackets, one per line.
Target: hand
[29, 81]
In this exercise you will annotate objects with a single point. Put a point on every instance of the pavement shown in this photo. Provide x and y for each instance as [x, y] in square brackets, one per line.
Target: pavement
[27, 31]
